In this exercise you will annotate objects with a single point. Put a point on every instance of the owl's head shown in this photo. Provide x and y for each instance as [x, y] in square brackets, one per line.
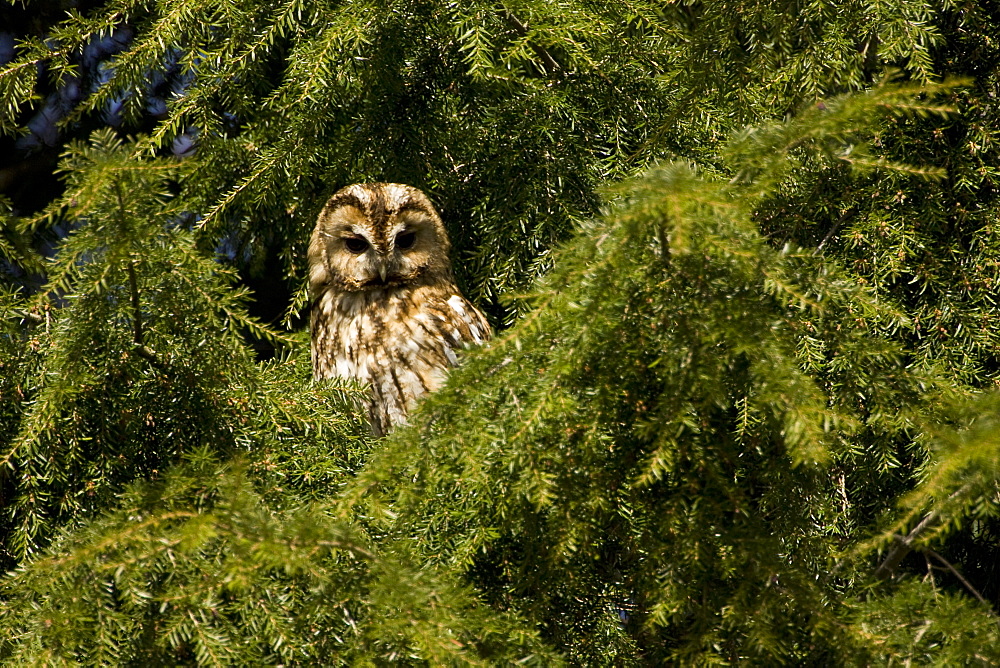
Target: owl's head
[374, 236]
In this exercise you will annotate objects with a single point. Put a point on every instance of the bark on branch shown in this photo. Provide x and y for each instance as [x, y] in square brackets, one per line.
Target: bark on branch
[902, 547]
[550, 63]
[138, 335]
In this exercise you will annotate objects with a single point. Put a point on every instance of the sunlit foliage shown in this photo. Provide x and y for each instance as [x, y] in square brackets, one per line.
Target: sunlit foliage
[743, 260]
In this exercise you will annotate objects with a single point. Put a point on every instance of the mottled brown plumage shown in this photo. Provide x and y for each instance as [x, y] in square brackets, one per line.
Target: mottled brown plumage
[385, 307]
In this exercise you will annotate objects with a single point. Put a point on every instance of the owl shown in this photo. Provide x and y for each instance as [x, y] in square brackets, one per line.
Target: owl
[385, 307]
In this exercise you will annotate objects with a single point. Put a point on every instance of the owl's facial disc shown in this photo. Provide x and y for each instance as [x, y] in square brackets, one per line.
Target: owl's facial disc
[370, 262]
[414, 247]
[383, 261]
[377, 238]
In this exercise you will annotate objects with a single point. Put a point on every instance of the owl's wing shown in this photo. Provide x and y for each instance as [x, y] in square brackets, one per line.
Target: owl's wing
[466, 324]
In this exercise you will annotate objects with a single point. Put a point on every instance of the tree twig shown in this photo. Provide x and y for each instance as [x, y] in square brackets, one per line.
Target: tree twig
[539, 50]
[33, 318]
[902, 547]
[958, 575]
[133, 284]
[138, 336]
[836, 226]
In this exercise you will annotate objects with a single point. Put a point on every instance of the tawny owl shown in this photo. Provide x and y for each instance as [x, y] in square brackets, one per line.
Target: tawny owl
[385, 307]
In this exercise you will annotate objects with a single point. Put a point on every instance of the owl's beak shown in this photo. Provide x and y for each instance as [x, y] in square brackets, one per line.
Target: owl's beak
[383, 271]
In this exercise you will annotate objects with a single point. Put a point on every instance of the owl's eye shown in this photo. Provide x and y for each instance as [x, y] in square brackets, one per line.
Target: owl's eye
[356, 244]
[405, 240]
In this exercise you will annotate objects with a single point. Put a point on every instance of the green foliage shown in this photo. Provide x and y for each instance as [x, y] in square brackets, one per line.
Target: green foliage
[198, 569]
[157, 376]
[741, 411]
[509, 117]
[635, 441]
[929, 627]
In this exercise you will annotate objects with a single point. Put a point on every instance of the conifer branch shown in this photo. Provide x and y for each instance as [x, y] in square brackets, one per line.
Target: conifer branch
[138, 337]
[617, 451]
[133, 284]
[540, 51]
[958, 575]
[902, 546]
[31, 317]
[848, 213]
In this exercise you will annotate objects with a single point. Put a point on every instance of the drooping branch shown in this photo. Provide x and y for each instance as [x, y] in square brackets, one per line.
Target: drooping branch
[138, 336]
[833, 230]
[958, 575]
[550, 63]
[902, 547]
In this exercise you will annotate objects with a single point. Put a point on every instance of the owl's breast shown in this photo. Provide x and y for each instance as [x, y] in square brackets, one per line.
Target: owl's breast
[401, 342]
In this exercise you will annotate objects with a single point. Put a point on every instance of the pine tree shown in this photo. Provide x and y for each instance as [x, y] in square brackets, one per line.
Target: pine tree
[741, 409]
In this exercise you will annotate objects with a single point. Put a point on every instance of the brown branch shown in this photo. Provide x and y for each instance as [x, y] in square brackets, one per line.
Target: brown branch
[133, 284]
[958, 575]
[147, 354]
[539, 50]
[903, 546]
[836, 226]
[138, 335]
